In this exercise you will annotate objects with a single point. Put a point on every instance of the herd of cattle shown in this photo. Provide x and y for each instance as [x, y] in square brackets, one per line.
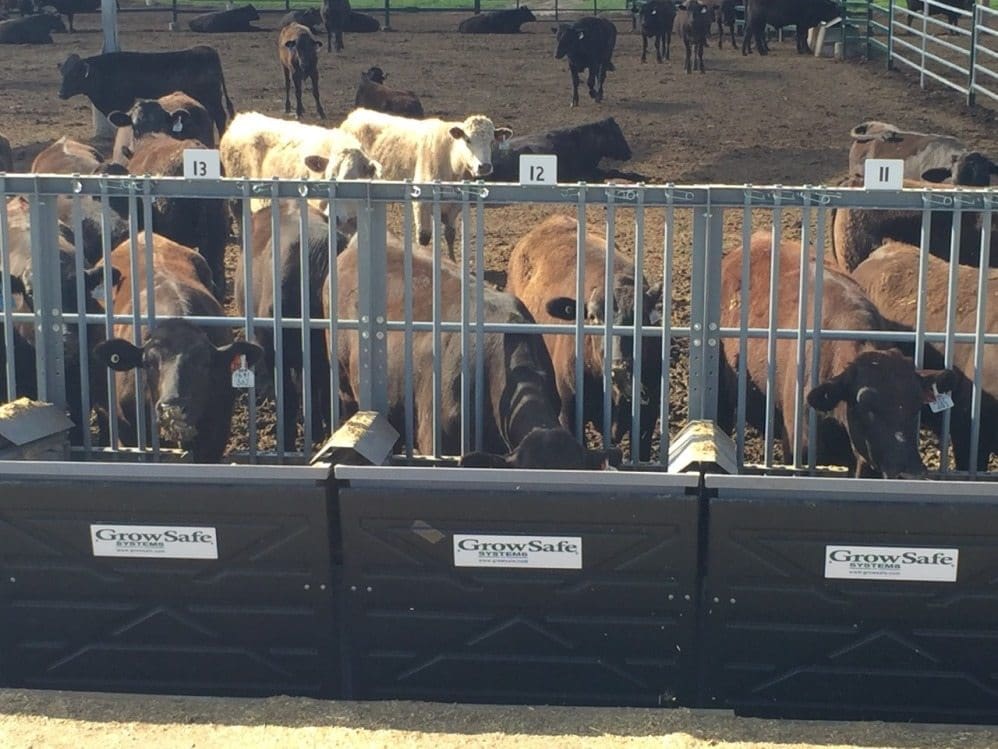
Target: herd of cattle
[870, 395]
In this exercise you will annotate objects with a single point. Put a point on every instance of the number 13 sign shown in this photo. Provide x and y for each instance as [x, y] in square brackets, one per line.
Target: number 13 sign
[538, 169]
[202, 163]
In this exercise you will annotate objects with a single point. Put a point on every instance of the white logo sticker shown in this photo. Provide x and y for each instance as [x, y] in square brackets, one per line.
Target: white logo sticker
[202, 163]
[543, 552]
[538, 169]
[883, 174]
[160, 541]
[891, 563]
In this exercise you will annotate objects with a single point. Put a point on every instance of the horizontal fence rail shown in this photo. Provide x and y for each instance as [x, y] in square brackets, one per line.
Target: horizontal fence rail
[675, 236]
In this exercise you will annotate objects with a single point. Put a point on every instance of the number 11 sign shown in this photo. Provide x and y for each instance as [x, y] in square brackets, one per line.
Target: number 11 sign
[538, 169]
[883, 174]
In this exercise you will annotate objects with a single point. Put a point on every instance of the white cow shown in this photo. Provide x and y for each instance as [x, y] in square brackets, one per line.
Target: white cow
[259, 147]
[428, 150]
[920, 151]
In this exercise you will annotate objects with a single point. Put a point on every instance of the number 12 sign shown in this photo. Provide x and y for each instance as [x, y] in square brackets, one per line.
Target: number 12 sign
[538, 169]
[202, 163]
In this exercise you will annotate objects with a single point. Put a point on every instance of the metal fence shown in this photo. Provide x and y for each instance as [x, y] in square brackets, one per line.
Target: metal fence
[962, 55]
[675, 235]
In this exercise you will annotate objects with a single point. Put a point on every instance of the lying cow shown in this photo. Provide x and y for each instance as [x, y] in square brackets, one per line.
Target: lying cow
[176, 115]
[259, 301]
[696, 20]
[520, 393]
[298, 51]
[114, 80]
[801, 14]
[34, 29]
[360, 23]
[889, 277]
[856, 232]
[428, 150]
[69, 8]
[497, 22]
[541, 273]
[579, 150]
[587, 43]
[373, 94]
[920, 151]
[657, 19]
[261, 147]
[187, 366]
[870, 398]
[6, 156]
[226, 21]
[335, 15]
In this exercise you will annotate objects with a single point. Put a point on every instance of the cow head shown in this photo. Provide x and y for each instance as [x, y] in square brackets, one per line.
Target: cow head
[310, 17]
[525, 14]
[550, 448]
[822, 11]
[614, 143]
[304, 44]
[882, 393]
[374, 75]
[76, 77]
[250, 13]
[179, 362]
[149, 116]
[52, 21]
[971, 169]
[471, 151]
[568, 40]
[347, 163]
[653, 16]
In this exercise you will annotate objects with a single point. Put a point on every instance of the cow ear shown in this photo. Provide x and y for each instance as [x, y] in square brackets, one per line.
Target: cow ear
[94, 277]
[936, 381]
[119, 354]
[318, 42]
[457, 133]
[828, 394]
[561, 307]
[939, 174]
[502, 133]
[119, 119]
[317, 163]
[484, 460]
[227, 354]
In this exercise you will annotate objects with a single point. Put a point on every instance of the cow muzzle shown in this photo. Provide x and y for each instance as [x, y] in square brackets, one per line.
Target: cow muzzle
[173, 423]
[620, 377]
[484, 170]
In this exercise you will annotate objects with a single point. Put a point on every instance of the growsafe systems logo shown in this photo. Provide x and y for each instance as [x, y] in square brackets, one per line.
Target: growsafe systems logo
[544, 552]
[160, 541]
[891, 563]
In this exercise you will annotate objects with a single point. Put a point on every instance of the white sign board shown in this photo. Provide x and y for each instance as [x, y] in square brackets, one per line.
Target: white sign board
[538, 169]
[883, 174]
[155, 541]
[891, 563]
[202, 163]
[537, 552]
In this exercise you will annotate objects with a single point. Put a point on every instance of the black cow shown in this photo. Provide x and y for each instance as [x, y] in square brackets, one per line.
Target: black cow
[657, 20]
[588, 43]
[696, 28]
[553, 449]
[113, 81]
[226, 21]
[35, 29]
[802, 14]
[69, 8]
[497, 22]
[176, 115]
[915, 6]
[260, 302]
[187, 367]
[361, 23]
[310, 17]
[335, 15]
[726, 16]
[579, 150]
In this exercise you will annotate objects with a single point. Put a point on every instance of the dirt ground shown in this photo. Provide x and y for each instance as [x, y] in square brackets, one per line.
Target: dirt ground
[75, 720]
[783, 119]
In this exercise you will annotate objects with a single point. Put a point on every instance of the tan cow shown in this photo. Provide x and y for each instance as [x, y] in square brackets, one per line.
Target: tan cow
[428, 150]
[920, 151]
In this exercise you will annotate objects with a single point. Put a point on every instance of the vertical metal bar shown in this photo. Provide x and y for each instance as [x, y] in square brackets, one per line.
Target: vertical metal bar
[151, 299]
[437, 309]
[82, 328]
[332, 247]
[743, 297]
[5, 291]
[47, 290]
[976, 18]
[609, 310]
[818, 320]
[980, 328]
[637, 390]
[306, 320]
[108, 301]
[925, 34]
[465, 333]
[388, 15]
[890, 35]
[712, 309]
[797, 439]
[275, 290]
[479, 322]
[408, 334]
[667, 238]
[580, 315]
[951, 305]
[371, 305]
[697, 312]
[923, 270]
[136, 292]
[249, 306]
[771, 342]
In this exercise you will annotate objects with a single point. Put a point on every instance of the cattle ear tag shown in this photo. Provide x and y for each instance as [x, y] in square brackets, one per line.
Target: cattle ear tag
[941, 401]
[178, 126]
[242, 376]
[582, 35]
[504, 144]
[97, 294]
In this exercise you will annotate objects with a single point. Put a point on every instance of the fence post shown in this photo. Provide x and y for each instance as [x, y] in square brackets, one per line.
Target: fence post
[478, 7]
[556, 11]
[977, 18]
[372, 306]
[890, 35]
[388, 15]
[925, 38]
[46, 289]
[705, 309]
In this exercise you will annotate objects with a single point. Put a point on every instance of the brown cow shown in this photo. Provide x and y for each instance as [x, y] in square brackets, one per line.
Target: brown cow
[297, 50]
[920, 151]
[889, 276]
[187, 366]
[520, 394]
[177, 115]
[373, 94]
[871, 397]
[541, 273]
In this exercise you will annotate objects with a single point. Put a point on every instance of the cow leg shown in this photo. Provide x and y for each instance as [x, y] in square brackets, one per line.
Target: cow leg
[644, 47]
[668, 44]
[289, 413]
[70, 16]
[591, 82]
[602, 77]
[700, 56]
[450, 235]
[299, 108]
[329, 37]
[747, 41]
[575, 85]
[287, 91]
[339, 41]
[689, 56]
[760, 40]
[659, 44]
[315, 94]
[424, 222]
[731, 28]
[802, 47]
